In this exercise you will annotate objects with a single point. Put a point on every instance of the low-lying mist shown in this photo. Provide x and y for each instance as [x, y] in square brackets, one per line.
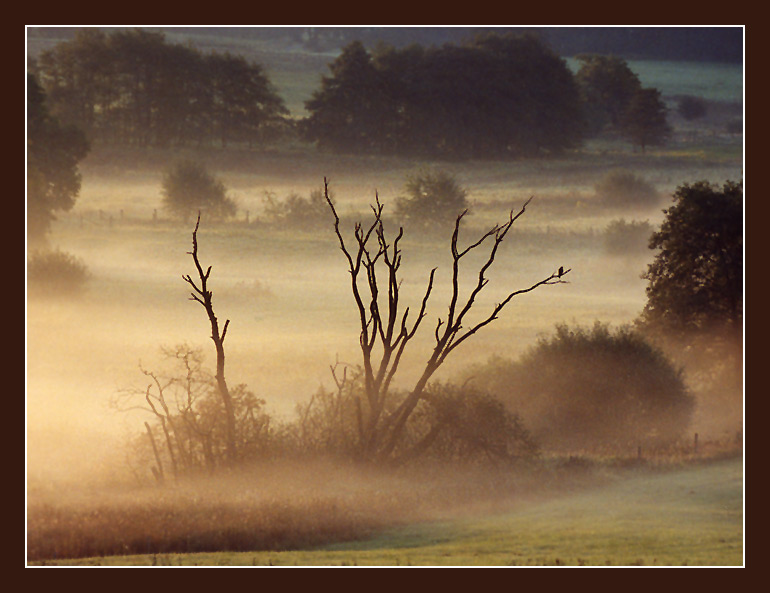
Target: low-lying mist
[286, 292]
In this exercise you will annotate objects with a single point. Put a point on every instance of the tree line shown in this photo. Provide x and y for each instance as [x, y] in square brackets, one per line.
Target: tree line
[494, 95]
[132, 87]
[490, 97]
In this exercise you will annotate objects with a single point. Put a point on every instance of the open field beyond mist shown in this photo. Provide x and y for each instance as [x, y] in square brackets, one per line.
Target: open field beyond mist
[286, 291]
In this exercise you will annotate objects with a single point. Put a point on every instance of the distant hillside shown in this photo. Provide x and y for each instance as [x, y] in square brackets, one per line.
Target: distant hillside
[706, 44]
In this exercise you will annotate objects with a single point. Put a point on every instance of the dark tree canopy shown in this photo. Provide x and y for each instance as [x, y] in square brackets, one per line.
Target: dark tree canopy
[696, 279]
[607, 86]
[53, 153]
[132, 87]
[496, 95]
[644, 121]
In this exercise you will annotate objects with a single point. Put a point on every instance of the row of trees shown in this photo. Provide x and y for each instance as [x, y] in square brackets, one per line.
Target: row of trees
[492, 96]
[495, 95]
[132, 87]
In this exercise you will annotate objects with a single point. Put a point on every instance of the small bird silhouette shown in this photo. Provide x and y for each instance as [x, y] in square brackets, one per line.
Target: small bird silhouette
[561, 271]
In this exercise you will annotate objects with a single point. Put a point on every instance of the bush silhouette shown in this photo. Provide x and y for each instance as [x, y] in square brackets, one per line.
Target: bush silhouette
[55, 273]
[432, 196]
[593, 389]
[624, 188]
[189, 188]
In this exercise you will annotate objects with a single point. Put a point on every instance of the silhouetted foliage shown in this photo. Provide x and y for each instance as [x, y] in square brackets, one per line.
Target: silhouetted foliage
[54, 273]
[592, 389]
[627, 238]
[623, 188]
[696, 279]
[450, 423]
[471, 424]
[53, 154]
[297, 212]
[692, 108]
[432, 197]
[607, 87]
[644, 120]
[132, 87]
[495, 95]
[189, 188]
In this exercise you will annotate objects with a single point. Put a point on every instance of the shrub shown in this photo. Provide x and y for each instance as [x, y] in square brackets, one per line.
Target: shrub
[298, 212]
[56, 273]
[450, 423]
[188, 188]
[692, 108]
[472, 424]
[186, 418]
[623, 188]
[593, 389]
[431, 197]
[626, 238]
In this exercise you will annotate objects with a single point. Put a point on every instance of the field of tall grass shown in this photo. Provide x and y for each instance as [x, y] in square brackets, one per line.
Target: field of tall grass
[574, 514]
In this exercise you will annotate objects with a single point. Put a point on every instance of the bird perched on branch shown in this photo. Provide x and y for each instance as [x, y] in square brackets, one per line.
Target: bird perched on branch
[561, 271]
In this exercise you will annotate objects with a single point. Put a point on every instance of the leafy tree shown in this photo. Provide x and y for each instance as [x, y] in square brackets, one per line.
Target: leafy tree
[495, 95]
[644, 121]
[696, 278]
[607, 85]
[189, 188]
[53, 153]
[347, 112]
[692, 108]
[592, 389]
[245, 104]
[432, 197]
[132, 87]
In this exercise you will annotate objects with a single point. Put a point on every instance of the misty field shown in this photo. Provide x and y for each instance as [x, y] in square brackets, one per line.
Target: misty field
[596, 517]
[285, 289]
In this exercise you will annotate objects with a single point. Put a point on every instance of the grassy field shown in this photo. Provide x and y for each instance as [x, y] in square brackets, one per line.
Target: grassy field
[688, 516]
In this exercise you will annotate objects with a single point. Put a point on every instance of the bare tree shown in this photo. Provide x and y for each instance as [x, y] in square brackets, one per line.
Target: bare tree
[386, 330]
[203, 295]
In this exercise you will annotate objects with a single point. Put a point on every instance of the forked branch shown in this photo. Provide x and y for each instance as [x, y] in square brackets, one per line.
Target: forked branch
[204, 296]
[388, 329]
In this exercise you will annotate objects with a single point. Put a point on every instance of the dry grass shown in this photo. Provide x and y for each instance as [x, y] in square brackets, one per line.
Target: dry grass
[268, 507]
[302, 505]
